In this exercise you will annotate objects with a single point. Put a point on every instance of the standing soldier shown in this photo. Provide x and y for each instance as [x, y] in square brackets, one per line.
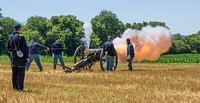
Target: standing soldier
[34, 54]
[18, 51]
[130, 53]
[109, 50]
[57, 53]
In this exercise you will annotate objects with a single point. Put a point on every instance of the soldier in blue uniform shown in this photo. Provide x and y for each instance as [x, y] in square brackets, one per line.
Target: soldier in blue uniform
[57, 53]
[34, 54]
[130, 53]
[109, 50]
[18, 50]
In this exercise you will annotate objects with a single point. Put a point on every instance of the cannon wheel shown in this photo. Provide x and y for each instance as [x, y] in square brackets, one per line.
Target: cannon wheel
[103, 61]
[79, 54]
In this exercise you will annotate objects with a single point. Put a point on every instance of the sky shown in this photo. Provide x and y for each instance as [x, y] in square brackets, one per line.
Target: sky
[181, 16]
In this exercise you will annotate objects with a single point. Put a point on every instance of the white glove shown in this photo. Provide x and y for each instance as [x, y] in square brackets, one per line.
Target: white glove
[128, 57]
[106, 54]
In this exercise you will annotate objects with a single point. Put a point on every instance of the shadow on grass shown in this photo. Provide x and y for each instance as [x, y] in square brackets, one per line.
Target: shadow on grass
[26, 91]
[153, 70]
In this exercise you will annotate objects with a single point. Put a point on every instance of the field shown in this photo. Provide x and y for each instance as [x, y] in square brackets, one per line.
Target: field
[169, 58]
[149, 82]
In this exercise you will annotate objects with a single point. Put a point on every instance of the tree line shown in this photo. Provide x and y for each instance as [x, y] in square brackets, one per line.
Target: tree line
[69, 29]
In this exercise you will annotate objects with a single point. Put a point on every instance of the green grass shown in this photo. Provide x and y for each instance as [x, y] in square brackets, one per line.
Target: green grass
[5, 58]
[170, 58]
[176, 58]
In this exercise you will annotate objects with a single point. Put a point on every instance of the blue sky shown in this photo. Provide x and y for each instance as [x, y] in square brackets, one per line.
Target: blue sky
[182, 16]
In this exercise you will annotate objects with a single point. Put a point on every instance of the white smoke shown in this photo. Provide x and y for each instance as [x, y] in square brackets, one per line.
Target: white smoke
[87, 29]
[149, 43]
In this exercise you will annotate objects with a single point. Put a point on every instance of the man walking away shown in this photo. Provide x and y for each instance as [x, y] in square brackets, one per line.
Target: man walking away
[109, 50]
[130, 53]
[18, 50]
[34, 54]
[57, 53]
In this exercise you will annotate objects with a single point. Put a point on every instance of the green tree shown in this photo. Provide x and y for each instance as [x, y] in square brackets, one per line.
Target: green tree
[107, 24]
[128, 25]
[139, 26]
[36, 28]
[6, 30]
[179, 46]
[194, 42]
[155, 23]
[177, 37]
[95, 41]
[68, 28]
[1, 34]
[1, 19]
[37, 23]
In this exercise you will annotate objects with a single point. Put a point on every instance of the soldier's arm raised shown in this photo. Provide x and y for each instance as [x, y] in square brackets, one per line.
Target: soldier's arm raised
[40, 45]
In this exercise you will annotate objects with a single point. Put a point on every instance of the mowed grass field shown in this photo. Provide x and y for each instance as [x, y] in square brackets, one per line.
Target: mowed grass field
[150, 82]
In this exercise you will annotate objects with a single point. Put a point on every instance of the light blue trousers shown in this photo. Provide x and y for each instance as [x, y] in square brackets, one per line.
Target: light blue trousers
[37, 60]
[55, 60]
[109, 63]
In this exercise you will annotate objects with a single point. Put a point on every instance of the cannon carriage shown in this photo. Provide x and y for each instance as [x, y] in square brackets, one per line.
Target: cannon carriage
[84, 59]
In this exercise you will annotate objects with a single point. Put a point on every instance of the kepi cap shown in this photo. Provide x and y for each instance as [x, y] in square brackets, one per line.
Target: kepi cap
[109, 37]
[17, 26]
[128, 40]
[56, 38]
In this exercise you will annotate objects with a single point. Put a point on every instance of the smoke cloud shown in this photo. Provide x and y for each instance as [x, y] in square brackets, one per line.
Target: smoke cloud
[149, 43]
[87, 29]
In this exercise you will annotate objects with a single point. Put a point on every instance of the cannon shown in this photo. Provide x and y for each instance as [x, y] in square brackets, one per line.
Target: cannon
[86, 58]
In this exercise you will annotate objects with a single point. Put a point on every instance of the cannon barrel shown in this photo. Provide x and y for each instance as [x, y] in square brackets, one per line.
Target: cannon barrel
[89, 52]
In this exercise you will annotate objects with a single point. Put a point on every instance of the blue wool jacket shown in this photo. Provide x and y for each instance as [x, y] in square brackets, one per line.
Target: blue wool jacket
[130, 50]
[33, 47]
[57, 49]
[109, 47]
[17, 42]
